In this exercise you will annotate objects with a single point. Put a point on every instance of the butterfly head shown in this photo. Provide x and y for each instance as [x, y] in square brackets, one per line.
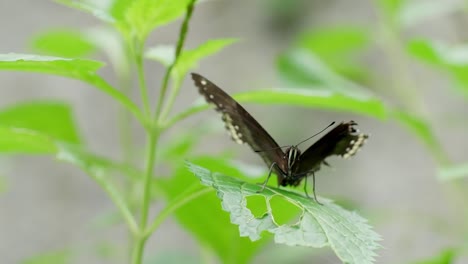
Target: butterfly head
[292, 155]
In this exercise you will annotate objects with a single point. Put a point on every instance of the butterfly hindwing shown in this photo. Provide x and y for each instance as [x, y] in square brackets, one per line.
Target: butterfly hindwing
[343, 140]
[242, 127]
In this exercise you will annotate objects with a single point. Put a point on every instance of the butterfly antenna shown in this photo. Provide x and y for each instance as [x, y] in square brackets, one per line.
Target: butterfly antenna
[332, 123]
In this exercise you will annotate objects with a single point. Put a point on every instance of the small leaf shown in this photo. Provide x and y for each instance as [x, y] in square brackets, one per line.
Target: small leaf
[79, 69]
[53, 119]
[446, 256]
[334, 41]
[422, 130]
[189, 58]
[143, 16]
[453, 172]
[349, 235]
[304, 69]
[53, 257]
[63, 42]
[99, 9]
[453, 60]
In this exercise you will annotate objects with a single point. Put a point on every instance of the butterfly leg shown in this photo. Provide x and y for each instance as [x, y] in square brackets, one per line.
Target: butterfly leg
[313, 188]
[268, 177]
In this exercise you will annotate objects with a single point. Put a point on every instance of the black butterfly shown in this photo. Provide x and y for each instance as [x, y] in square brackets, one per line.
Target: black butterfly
[290, 166]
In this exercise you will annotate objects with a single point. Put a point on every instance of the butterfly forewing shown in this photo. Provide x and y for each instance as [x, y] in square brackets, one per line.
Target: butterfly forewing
[343, 140]
[242, 127]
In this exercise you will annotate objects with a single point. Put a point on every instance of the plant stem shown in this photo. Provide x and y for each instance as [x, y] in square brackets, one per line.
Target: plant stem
[178, 202]
[178, 51]
[141, 79]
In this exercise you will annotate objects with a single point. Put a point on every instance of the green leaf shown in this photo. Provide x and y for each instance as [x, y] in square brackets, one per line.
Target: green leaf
[336, 47]
[53, 257]
[143, 16]
[303, 68]
[63, 42]
[204, 218]
[453, 60]
[79, 69]
[189, 58]
[349, 235]
[446, 256]
[20, 140]
[53, 119]
[99, 9]
[421, 128]
[334, 42]
[453, 172]
[319, 98]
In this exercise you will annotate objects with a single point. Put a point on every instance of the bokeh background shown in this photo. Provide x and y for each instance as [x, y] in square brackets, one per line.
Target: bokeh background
[393, 181]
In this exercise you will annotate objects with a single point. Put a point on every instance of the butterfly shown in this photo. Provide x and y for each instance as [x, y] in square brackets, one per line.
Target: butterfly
[291, 165]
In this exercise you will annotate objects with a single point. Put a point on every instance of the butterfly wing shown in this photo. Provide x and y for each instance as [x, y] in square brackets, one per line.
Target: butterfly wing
[343, 140]
[242, 127]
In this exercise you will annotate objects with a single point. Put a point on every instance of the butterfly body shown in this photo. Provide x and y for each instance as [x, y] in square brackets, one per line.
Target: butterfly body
[291, 166]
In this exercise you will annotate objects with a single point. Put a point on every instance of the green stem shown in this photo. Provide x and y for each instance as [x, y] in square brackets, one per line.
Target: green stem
[178, 51]
[141, 79]
[180, 201]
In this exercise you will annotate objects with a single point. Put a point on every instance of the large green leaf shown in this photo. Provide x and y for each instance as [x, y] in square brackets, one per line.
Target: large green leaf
[80, 69]
[348, 234]
[53, 119]
[204, 218]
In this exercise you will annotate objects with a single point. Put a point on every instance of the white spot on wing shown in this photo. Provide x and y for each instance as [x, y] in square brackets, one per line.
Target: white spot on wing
[211, 96]
[203, 82]
[235, 135]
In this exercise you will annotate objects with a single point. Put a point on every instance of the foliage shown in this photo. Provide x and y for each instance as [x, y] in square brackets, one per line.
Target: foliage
[321, 69]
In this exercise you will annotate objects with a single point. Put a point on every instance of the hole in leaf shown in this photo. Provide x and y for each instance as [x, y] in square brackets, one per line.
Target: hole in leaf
[284, 212]
[257, 205]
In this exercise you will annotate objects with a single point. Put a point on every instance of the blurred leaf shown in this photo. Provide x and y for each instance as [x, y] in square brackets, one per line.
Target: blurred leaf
[53, 257]
[336, 46]
[392, 8]
[453, 172]
[446, 256]
[143, 16]
[99, 9]
[323, 99]
[415, 12]
[53, 119]
[304, 69]
[79, 69]
[189, 58]
[454, 60]
[20, 140]
[345, 232]
[334, 42]
[63, 42]
[421, 128]
[204, 218]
